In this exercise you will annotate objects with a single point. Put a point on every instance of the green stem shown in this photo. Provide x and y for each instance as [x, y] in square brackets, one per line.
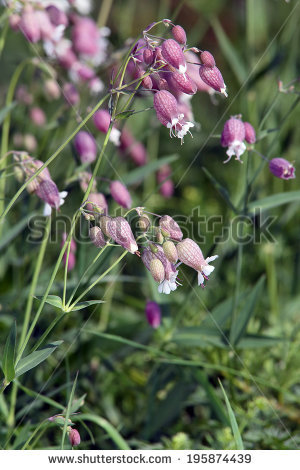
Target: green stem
[98, 279]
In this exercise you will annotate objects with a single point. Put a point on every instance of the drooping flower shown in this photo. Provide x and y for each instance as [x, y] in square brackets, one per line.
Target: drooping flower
[182, 83]
[213, 77]
[163, 271]
[173, 55]
[120, 231]
[232, 137]
[282, 168]
[170, 228]
[74, 437]
[153, 314]
[48, 192]
[190, 254]
[250, 135]
[85, 146]
[120, 194]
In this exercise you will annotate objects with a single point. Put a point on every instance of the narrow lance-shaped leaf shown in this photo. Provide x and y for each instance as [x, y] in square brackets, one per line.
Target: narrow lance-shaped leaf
[35, 358]
[234, 426]
[8, 360]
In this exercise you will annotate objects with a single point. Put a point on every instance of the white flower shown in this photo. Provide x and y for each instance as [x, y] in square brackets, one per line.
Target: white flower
[168, 286]
[48, 209]
[206, 270]
[236, 148]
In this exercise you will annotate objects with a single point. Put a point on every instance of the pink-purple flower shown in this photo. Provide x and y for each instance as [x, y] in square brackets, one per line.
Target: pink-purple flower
[233, 137]
[282, 168]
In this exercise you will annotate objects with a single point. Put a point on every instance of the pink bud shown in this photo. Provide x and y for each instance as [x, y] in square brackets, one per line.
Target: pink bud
[23, 95]
[153, 314]
[84, 72]
[31, 168]
[182, 83]
[71, 260]
[207, 59]
[37, 116]
[170, 228]
[102, 120]
[71, 94]
[282, 168]
[85, 36]
[57, 16]
[234, 130]
[67, 57]
[30, 142]
[74, 437]
[173, 54]
[85, 146]
[147, 83]
[29, 25]
[98, 200]
[167, 189]
[120, 194]
[250, 135]
[120, 231]
[193, 72]
[179, 34]
[212, 77]
[52, 89]
[97, 237]
[138, 153]
[84, 179]
[48, 192]
[148, 56]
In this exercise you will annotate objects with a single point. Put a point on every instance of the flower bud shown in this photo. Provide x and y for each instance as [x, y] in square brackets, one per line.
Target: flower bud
[71, 260]
[167, 189]
[37, 116]
[170, 228]
[120, 194]
[148, 56]
[158, 235]
[48, 192]
[57, 16]
[250, 135]
[85, 36]
[157, 270]
[213, 77]
[74, 437]
[120, 231]
[102, 120]
[282, 168]
[182, 83]
[170, 251]
[30, 142]
[179, 34]
[99, 203]
[232, 137]
[85, 146]
[84, 179]
[173, 55]
[207, 59]
[144, 223]
[153, 314]
[97, 237]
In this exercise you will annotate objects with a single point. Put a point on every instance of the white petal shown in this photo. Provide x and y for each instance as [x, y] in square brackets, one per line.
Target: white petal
[200, 278]
[211, 258]
[47, 210]
[207, 270]
[63, 194]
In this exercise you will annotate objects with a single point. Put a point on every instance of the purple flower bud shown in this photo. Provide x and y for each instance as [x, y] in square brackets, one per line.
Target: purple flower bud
[148, 56]
[153, 314]
[120, 231]
[57, 16]
[179, 34]
[37, 116]
[193, 72]
[212, 77]
[48, 192]
[232, 137]
[170, 228]
[182, 83]
[190, 254]
[99, 202]
[207, 59]
[102, 120]
[74, 437]
[71, 94]
[31, 168]
[282, 168]
[147, 82]
[120, 194]
[29, 25]
[85, 36]
[250, 135]
[173, 55]
[167, 189]
[97, 237]
[85, 146]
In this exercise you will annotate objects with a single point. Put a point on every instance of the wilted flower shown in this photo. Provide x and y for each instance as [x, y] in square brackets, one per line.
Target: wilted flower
[74, 437]
[213, 77]
[170, 228]
[250, 135]
[120, 194]
[173, 55]
[120, 231]
[190, 254]
[86, 146]
[232, 137]
[153, 314]
[282, 168]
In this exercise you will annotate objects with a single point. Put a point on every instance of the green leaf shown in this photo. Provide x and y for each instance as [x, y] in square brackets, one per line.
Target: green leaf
[139, 174]
[199, 337]
[274, 201]
[125, 114]
[87, 303]
[218, 317]
[35, 358]
[8, 360]
[229, 51]
[52, 300]
[6, 110]
[258, 341]
[234, 426]
[243, 317]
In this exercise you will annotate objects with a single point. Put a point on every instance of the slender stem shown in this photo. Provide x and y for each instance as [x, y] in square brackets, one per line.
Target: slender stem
[66, 272]
[98, 279]
[35, 280]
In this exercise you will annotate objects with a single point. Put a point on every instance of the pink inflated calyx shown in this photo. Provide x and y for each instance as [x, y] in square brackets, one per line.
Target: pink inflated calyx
[74, 437]
[179, 34]
[182, 83]
[48, 192]
[120, 194]
[173, 55]
[232, 137]
[148, 56]
[85, 146]
[250, 135]
[170, 228]
[153, 314]
[120, 231]
[282, 168]
[102, 120]
[190, 254]
[207, 59]
[213, 77]
[97, 237]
